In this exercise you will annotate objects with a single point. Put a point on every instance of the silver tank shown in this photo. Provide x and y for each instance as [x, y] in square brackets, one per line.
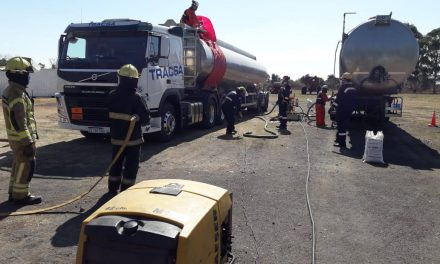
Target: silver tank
[381, 54]
[242, 67]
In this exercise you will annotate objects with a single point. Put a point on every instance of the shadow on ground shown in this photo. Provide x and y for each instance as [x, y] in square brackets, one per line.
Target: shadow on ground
[400, 148]
[67, 234]
[90, 157]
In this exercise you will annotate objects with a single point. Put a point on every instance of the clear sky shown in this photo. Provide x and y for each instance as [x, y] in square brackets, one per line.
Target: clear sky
[288, 36]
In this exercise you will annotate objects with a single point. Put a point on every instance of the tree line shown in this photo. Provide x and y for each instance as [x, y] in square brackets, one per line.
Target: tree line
[426, 73]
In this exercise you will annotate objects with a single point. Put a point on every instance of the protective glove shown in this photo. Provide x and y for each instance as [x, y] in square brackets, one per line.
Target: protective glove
[29, 150]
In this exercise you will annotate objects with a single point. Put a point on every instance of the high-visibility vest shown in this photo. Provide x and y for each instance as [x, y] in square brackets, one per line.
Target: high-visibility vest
[24, 131]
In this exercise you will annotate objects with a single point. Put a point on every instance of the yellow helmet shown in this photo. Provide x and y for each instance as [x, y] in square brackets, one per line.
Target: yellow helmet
[18, 65]
[128, 70]
[347, 76]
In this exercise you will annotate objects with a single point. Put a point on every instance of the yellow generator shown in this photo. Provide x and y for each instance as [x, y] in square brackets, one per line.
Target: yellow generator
[160, 221]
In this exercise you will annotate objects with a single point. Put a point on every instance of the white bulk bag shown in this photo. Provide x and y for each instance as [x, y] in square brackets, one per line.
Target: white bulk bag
[373, 147]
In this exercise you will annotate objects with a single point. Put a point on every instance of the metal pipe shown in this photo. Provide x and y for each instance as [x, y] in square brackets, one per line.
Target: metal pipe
[343, 24]
[334, 62]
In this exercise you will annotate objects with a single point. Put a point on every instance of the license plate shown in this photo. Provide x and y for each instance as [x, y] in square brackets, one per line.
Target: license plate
[96, 130]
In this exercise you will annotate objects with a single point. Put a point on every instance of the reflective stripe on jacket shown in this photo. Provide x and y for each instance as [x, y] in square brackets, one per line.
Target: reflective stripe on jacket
[123, 104]
[18, 111]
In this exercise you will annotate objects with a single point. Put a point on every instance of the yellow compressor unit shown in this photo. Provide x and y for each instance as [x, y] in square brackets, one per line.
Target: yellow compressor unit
[160, 221]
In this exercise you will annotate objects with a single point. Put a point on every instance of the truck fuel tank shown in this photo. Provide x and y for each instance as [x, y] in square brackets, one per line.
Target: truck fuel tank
[381, 54]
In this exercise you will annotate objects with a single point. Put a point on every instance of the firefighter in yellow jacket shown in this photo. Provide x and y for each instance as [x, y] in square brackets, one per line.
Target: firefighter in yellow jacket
[18, 110]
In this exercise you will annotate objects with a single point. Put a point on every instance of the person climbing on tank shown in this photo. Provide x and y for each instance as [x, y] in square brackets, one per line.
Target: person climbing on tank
[231, 106]
[321, 99]
[283, 102]
[189, 17]
[345, 105]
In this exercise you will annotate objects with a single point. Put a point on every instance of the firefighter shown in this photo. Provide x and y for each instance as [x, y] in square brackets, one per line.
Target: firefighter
[189, 17]
[283, 102]
[321, 99]
[231, 106]
[125, 102]
[345, 104]
[21, 128]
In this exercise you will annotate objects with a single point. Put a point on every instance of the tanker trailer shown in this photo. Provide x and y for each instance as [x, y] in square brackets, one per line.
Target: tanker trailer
[381, 54]
[174, 64]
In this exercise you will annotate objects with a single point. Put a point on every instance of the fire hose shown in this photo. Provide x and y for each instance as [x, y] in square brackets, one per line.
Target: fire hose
[272, 133]
[133, 120]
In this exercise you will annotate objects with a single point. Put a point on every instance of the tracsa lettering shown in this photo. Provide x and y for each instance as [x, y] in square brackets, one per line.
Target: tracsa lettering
[165, 72]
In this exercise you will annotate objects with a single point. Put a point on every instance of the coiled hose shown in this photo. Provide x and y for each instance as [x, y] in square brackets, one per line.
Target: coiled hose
[133, 120]
[272, 133]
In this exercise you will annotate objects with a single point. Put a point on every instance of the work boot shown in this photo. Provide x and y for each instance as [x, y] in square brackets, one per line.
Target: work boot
[29, 200]
[337, 144]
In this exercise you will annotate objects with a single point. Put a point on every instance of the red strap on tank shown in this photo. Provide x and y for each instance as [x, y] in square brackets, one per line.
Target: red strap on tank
[219, 69]
[210, 38]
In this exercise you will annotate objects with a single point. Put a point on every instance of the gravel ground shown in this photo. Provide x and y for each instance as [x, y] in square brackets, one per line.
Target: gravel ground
[363, 213]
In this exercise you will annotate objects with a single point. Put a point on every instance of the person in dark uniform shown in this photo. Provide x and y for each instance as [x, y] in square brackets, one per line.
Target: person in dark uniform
[283, 102]
[125, 102]
[231, 106]
[345, 104]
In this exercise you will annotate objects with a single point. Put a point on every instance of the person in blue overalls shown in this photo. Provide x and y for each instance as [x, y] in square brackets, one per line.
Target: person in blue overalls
[345, 104]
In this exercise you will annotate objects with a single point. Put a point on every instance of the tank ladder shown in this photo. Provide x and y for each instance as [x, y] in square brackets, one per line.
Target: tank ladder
[190, 58]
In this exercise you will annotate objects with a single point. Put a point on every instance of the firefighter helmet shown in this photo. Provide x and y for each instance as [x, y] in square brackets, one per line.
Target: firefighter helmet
[18, 65]
[346, 76]
[241, 90]
[128, 70]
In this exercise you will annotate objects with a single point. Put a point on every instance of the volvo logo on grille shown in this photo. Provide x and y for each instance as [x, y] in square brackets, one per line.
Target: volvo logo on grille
[94, 77]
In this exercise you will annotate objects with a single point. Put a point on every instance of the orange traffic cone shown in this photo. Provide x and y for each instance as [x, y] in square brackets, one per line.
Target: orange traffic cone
[433, 120]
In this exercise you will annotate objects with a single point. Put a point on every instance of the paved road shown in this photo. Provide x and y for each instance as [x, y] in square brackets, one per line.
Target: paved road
[363, 213]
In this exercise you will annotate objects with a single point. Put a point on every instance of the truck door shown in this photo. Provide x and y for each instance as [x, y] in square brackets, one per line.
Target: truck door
[158, 75]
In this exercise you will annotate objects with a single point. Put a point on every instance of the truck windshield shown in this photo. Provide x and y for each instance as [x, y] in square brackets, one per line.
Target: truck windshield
[103, 50]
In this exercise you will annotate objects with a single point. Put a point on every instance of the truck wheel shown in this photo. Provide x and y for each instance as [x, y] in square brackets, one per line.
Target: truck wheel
[168, 122]
[209, 113]
[266, 103]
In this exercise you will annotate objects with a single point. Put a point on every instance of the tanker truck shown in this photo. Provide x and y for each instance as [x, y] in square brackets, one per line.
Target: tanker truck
[173, 63]
[381, 54]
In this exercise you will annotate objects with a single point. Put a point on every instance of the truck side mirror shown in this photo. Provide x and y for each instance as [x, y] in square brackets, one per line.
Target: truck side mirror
[60, 45]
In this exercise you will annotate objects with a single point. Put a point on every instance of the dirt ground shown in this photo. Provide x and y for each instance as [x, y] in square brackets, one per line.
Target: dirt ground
[363, 213]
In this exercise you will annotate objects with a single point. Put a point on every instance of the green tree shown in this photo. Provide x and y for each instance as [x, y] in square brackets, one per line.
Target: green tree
[3, 61]
[418, 76]
[430, 60]
[275, 77]
[332, 82]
